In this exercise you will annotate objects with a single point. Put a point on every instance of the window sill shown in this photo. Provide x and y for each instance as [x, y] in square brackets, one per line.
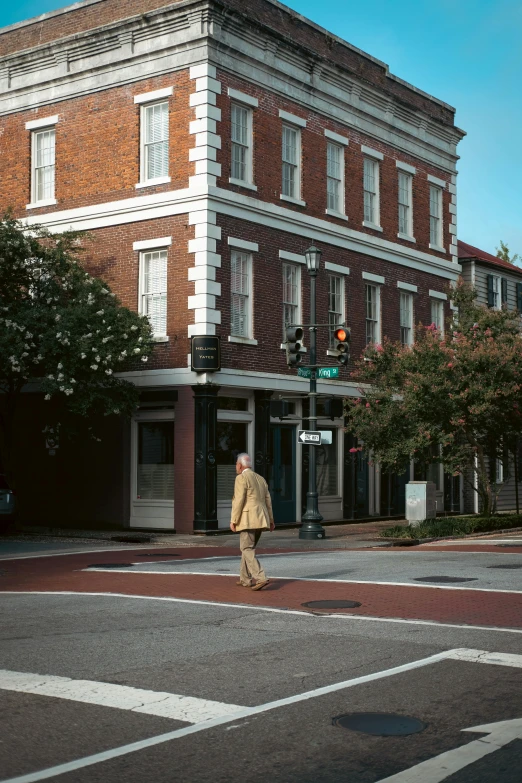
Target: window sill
[437, 248]
[334, 213]
[241, 184]
[48, 202]
[292, 200]
[283, 348]
[163, 338]
[242, 340]
[406, 237]
[151, 182]
[374, 226]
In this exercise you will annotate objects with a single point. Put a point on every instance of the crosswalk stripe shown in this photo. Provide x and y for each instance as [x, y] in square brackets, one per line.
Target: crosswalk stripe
[188, 709]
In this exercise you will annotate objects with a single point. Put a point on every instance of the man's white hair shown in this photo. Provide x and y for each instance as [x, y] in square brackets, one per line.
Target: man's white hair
[244, 460]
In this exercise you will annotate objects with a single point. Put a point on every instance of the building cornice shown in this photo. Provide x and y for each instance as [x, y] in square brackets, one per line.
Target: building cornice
[168, 39]
[250, 209]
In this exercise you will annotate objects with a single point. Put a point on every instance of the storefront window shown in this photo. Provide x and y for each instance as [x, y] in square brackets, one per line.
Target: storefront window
[231, 441]
[232, 403]
[327, 467]
[155, 478]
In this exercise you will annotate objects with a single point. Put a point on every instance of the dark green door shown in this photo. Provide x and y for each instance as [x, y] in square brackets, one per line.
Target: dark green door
[281, 472]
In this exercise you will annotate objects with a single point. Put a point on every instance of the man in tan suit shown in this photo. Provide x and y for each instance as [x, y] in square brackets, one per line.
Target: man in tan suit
[251, 514]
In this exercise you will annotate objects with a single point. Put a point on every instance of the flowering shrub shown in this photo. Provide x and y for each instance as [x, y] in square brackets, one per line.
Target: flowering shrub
[452, 399]
[62, 329]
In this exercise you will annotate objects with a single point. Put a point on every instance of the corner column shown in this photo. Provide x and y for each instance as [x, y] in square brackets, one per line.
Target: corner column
[262, 432]
[205, 465]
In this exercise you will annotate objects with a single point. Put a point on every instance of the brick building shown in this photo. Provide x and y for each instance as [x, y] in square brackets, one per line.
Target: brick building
[205, 144]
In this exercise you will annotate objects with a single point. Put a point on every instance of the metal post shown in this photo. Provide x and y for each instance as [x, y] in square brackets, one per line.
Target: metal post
[311, 526]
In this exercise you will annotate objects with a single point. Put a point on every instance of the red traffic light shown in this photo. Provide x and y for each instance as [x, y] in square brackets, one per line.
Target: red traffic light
[341, 335]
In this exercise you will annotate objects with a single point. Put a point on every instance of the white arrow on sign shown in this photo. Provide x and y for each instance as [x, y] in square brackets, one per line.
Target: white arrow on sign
[441, 767]
[309, 436]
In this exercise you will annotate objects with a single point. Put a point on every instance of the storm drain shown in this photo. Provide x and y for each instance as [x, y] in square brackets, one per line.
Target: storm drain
[380, 724]
[507, 565]
[446, 579]
[110, 565]
[331, 604]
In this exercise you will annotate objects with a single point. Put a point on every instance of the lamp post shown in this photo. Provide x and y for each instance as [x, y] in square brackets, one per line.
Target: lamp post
[311, 525]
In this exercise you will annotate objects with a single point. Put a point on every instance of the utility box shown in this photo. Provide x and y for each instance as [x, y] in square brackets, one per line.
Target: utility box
[420, 501]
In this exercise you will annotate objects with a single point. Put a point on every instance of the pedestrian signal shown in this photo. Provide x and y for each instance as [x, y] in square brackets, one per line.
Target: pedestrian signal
[294, 345]
[342, 344]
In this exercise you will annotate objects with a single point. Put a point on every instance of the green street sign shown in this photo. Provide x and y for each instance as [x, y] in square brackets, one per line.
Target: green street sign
[328, 372]
[304, 372]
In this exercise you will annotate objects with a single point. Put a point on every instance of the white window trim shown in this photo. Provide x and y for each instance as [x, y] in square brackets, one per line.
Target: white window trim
[252, 247]
[371, 153]
[334, 212]
[242, 97]
[436, 181]
[498, 292]
[379, 318]
[436, 245]
[371, 278]
[45, 202]
[152, 244]
[294, 258]
[249, 338]
[337, 268]
[294, 199]
[439, 301]
[406, 167]
[144, 183]
[297, 264]
[42, 122]
[161, 338]
[154, 95]
[370, 223]
[437, 295]
[408, 235]
[249, 181]
[408, 326]
[336, 137]
[292, 119]
[407, 287]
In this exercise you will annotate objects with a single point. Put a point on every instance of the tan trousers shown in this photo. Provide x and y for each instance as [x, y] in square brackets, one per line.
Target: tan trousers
[250, 567]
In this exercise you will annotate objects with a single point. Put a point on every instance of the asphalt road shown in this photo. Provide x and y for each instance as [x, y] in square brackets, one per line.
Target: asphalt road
[276, 681]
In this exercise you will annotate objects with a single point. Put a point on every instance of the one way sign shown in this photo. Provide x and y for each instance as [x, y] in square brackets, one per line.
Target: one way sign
[309, 436]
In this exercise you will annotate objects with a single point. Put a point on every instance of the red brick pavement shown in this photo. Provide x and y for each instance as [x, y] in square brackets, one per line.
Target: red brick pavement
[64, 573]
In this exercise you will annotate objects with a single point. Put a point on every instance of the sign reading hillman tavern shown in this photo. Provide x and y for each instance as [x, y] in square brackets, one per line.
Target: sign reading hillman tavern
[206, 353]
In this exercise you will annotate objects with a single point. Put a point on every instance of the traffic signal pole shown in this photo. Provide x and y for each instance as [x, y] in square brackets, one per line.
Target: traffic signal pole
[311, 527]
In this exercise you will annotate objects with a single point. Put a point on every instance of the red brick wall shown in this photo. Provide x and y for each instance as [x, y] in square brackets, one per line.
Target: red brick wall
[109, 254]
[267, 168]
[97, 146]
[268, 318]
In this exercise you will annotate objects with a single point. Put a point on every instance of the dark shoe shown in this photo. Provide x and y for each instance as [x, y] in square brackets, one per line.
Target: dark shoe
[260, 585]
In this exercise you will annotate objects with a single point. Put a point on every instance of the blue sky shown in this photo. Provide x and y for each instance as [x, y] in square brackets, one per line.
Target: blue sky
[465, 52]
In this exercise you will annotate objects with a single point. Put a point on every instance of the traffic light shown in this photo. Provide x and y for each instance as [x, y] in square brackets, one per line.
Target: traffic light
[342, 344]
[333, 407]
[294, 336]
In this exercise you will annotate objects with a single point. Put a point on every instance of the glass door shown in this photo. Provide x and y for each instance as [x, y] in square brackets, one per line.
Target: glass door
[281, 477]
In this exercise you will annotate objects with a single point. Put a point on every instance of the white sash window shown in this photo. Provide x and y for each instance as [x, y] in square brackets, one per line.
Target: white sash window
[240, 286]
[435, 216]
[43, 165]
[406, 318]
[155, 136]
[371, 191]
[241, 133]
[291, 154]
[153, 298]
[334, 181]
[405, 205]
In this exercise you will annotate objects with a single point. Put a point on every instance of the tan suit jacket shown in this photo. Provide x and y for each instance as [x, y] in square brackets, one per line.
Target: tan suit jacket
[251, 504]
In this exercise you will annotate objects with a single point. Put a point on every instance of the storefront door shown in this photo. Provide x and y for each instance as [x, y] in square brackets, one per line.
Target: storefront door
[281, 476]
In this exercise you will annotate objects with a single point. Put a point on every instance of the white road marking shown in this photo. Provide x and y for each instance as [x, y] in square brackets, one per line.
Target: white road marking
[351, 617]
[107, 549]
[301, 579]
[440, 767]
[483, 656]
[245, 712]
[122, 697]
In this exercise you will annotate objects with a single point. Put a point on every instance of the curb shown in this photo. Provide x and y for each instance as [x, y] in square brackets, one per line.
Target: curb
[416, 541]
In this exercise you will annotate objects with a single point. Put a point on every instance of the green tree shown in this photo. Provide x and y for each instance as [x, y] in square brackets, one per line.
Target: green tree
[62, 332]
[455, 399]
[503, 253]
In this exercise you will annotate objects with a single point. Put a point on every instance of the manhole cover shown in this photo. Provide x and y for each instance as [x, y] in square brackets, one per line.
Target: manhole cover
[155, 554]
[331, 604]
[380, 724]
[110, 565]
[508, 565]
[446, 579]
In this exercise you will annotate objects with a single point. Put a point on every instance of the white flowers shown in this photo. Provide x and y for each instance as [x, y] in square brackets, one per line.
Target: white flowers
[94, 366]
[98, 358]
[47, 397]
[60, 366]
[108, 372]
[57, 317]
[144, 358]
[58, 334]
[83, 355]
[137, 350]
[60, 377]
[99, 312]
[134, 328]
[51, 377]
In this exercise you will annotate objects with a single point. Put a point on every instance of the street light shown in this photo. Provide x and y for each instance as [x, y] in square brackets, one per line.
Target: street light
[311, 525]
